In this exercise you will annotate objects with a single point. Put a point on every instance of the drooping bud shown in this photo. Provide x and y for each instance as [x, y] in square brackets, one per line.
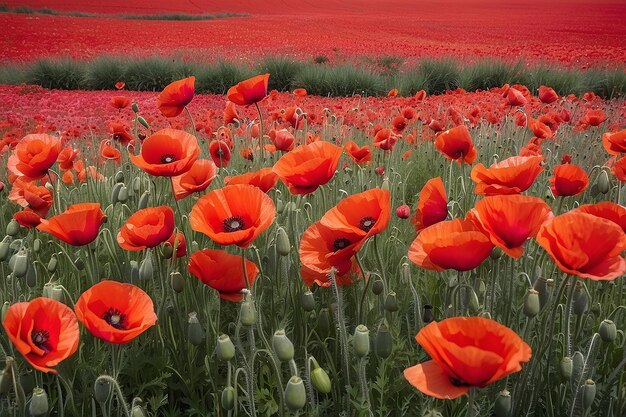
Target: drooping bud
[361, 341]
[580, 301]
[603, 182]
[608, 331]
[4, 248]
[282, 346]
[283, 247]
[144, 200]
[391, 302]
[496, 253]
[52, 263]
[134, 272]
[541, 287]
[115, 192]
[19, 263]
[228, 398]
[378, 286]
[428, 315]
[119, 176]
[138, 409]
[38, 403]
[6, 379]
[143, 122]
[122, 195]
[589, 394]
[323, 322]
[135, 107]
[225, 349]
[146, 268]
[308, 301]
[37, 246]
[31, 276]
[319, 378]
[13, 228]
[195, 334]
[383, 343]
[532, 305]
[473, 303]
[177, 282]
[295, 394]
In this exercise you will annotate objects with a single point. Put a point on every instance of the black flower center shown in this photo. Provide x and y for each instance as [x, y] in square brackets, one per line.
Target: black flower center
[115, 318]
[458, 382]
[232, 224]
[40, 339]
[168, 158]
[341, 243]
[367, 223]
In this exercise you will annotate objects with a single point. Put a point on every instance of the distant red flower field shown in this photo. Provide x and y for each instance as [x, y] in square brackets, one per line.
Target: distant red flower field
[573, 33]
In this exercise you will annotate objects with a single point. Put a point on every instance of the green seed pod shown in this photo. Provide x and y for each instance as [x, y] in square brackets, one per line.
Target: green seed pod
[589, 394]
[308, 301]
[566, 368]
[79, 264]
[295, 394]
[122, 195]
[378, 286]
[482, 288]
[225, 349]
[608, 331]
[603, 182]
[280, 206]
[247, 312]
[135, 107]
[134, 272]
[385, 184]
[496, 253]
[323, 322]
[19, 266]
[283, 247]
[383, 343]
[228, 398]
[146, 268]
[6, 379]
[195, 334]
[502, 407]
[13, 228]
[177, 282]
[4, 248]
[391, 302]
[37, 245]
[361, 341]
[56, 293]
[580, 301]
[102, 389]
[319, 378]
[47, 290]
[38, 403]
[143, 122]
[532, 305]
[52, 263]
[31, 276]
[115, 192]
[143, 200]
[282, 346]
[428, 315]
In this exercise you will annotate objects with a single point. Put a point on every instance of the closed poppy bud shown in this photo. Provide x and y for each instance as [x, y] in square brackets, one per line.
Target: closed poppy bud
[319, 378]
[13, 228]
[283, 348]
[247, 312]
[195, 247]
[115, 192]
[31, 276]
[428, 314]
[295, 394]
[6, 379]
[496, 253]
[52, 263]
[566, 368]
[138, 410]
[143, 122]
[540, 286]
[195, 334]
[4, 248]
[102, 389]
[502, 407]
[603, 182]
[38, 403]
[391, 302]
[19, 263]
[383, 344]
[122, 195]
[134, 272]
[589, 393]
[280, 206]
[136, 186]
[166, 250]
[119, 176]
[385, 184]
[323, 322]
[308, 301]
[225, 349]
[135, 107]
[473, 303]
[532, 305]
[608, 331]
[580, 301]
[37, 245]
[144, 200]
[177, 282]
[361, 341]
[378, 286]
[283, 247]
[146, 268]
[403, 212]
[228, 398]
[596, 308]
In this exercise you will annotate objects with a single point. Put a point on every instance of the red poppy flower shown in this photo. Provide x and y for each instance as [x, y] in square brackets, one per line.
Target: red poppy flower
[230, 113]
[515, 97]
[585, 245]
[321, 278]
[78, 225]
[606, 210]
[420, 95]
[403, 211]
[432, 205]
[547, 95]
[249, 91]
[119, 133]
[67, 157]
[496, 351]
[568, 179]
[385, 139]
[436, 125]
[27, 218]
[167, 153]
[178, 243]
[360, 155]
[282, 139]
[393, 92]
[615, 143]
[619, 169]
[110, 153]
[594, 117]
[222, 272]
[35, 154]
[43, 330]
[220, 153]
[299, 92]
[173, 99]
[307, 167]
[540, 130]
[398, 124]
[510, 220]
[115, 312]
[366, 213]
[265, 179]
[120, 85]
[28, 195]
[453, 244]
[120, 102]
[233, 215]
[510, 176]
[146, 228]
[197, 179]
[456, 144]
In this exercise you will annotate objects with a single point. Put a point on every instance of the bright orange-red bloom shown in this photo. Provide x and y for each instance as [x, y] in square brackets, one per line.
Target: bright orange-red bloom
[197, 179]
[35, 154]
[27, 218]
[360, 155]
[606, 210]
[115, 312]
[173, 99]
[585, 245]
[230, 113]
[120, 102]
[547, 95]
[385, 139]
[43, 330]
[510, 220]
[594, 117]
[615, 143]
[249, 91]
[299, 92]
[515, 97]
[466, 352]
[167, 153]
[307, 167]
[110, 153]
[120, 85]
[510, 176]
[456, 144]
[233, 215]
[282, 139]
[453, 244]
[393, 92]
[222, 272]
[568, 179]
[321, 278]
[619, 169]
[366, 213]
[432, 204]
[119, 133]
[78, 225]
[398, 124]
[67, 157]
[146, 228]
[265, 179]
[540, 129]
[28, 195]
[178, 243]
[220, 153]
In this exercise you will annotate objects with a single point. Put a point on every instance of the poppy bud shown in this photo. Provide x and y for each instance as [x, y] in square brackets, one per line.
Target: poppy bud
[283, 247]
[6, 379]
[308, 301]
[31, 276]
[540, 286]
[134, 272]
[38, 403]
[385, 184]
[295, 394]
[247, 313]
[383, 344]
[177, 282]
[167, 250]
[580, 301]
[280, 206]
[603, 182]
[319, 378]
[323, 322]
[52, 263]
[5, 308]
[228, 398]
[381, 171]
[566, 368]
[136, 184]
[608, 331]
[378, 286]
[502, 407]
[589, 393]
[428, 315]
[135, 107]
[4, 248]
[532, 305]
[225, 349]
[13, 228]
[37, 245]
[403, 211]
[143, 200]
[102, 389]
[496, 253]
[473, 303]
[143, 122]
[115, 192]
[119, 176]
[123, 194]
[19, 263]
[361, 341]
[283, 348]
[146, 268]
[391, 302]
[195, 334]
[138, 410]
[194, 246]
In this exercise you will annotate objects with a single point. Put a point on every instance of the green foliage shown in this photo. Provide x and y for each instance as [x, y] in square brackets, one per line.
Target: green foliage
[219, 78]
[282, 69]
[151, 74]
[104, 72]
[440, 75]
[341, 80]
[488, 73]
[64, 73]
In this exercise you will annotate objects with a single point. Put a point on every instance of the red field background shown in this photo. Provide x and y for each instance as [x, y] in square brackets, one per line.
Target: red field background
[573, 33]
